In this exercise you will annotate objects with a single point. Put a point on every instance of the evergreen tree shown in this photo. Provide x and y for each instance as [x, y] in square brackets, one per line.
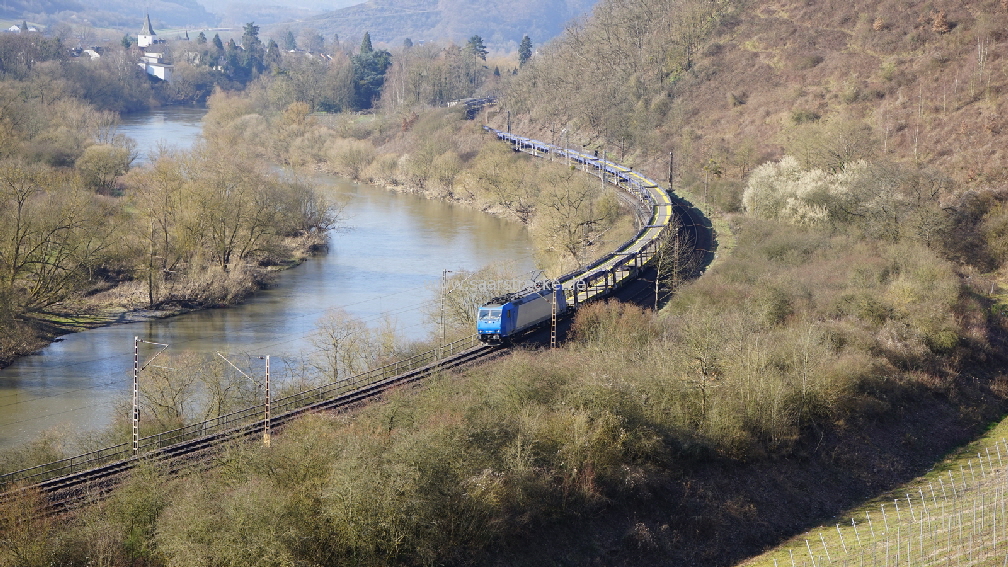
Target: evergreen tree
[477, 48]
[290, 43]
[272, 56]
[201, 39]
[217, 42]
[407, 43]
[479, 51]
[24, 25]
[250, 37]
[369, 72]
[524, 51]
[127, 41]
[496, 71]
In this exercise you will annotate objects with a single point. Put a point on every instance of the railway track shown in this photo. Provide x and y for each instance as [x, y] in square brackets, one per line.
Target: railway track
[174, 451]
[70, 491]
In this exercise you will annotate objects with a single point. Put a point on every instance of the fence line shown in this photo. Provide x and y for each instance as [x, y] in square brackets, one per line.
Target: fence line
[961, 522]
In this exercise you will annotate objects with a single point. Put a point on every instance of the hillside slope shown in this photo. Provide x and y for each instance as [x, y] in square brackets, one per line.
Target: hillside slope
[933, 94]
[117, 14]
[729, 85]
[500, 24]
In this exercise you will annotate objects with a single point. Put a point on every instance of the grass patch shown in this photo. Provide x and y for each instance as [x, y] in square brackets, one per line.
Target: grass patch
[953, 513]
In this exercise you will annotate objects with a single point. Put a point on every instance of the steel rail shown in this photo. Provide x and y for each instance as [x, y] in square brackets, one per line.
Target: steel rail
[66, 492]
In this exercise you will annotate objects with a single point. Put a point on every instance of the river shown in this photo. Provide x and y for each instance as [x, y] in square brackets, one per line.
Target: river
[386, 258]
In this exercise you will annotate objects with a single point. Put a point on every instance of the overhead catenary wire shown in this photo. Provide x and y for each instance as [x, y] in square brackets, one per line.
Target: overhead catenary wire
[113, 379]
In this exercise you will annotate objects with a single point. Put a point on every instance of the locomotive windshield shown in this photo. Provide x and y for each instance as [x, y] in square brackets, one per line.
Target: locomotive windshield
[489, 314]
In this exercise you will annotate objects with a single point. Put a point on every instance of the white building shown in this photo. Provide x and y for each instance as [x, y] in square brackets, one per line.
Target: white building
[147, 36]
[152, 64]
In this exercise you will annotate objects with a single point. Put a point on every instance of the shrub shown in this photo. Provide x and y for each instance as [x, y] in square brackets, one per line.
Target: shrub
[350, 157]
[803, 116]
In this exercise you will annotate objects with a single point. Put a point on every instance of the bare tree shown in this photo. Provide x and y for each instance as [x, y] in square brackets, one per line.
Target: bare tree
[51, 233]
[570, 213]
[347, 346]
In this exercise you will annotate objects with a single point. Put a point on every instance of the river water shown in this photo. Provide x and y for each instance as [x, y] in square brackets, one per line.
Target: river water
[384, 261]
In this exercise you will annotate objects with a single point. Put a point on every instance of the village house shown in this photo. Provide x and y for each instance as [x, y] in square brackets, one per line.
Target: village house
[152, 62]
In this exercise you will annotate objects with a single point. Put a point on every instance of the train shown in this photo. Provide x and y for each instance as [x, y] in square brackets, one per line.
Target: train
[506, 318]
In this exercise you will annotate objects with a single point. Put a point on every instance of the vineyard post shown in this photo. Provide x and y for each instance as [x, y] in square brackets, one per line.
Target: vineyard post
[898, 543]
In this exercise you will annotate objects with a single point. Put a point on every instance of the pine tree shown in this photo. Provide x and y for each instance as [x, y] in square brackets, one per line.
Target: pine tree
[476, 47]
[524, 51]
[369, 72]
[250, 37]
[272, 56]
[217, 42]
[479, 51]
[201, 39]
[407, 43]
[290, 43]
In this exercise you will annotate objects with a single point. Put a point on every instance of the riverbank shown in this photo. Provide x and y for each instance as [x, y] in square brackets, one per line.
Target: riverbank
[124, 302]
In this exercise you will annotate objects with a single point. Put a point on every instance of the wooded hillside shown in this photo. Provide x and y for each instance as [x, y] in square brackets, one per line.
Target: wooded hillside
[739, 83]
[501, 24]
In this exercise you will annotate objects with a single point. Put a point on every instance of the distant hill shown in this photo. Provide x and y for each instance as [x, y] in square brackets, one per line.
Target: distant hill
[264, 12]
[501, 24]
[118, 14]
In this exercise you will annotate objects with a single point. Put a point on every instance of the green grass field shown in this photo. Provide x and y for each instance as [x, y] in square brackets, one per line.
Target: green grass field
[954, 515]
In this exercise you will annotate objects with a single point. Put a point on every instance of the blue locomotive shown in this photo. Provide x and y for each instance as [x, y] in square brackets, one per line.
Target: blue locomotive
[509, 316]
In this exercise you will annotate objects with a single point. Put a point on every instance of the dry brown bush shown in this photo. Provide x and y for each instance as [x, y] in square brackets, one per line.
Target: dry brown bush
[939, 22]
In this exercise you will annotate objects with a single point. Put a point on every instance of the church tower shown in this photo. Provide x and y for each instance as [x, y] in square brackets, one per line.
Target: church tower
[147, 35]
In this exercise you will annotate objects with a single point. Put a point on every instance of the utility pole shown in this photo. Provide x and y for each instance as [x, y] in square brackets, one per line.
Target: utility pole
[136, 396]
[602, 167]
[444, 291]
[509, 122]
[136, 387]
[567, 146]
[150, 269]
[266, 417]
[671, 171]
[266, 420]
[553, 331]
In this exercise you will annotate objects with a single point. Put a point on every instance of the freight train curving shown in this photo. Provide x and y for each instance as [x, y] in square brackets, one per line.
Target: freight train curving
[506, 318]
